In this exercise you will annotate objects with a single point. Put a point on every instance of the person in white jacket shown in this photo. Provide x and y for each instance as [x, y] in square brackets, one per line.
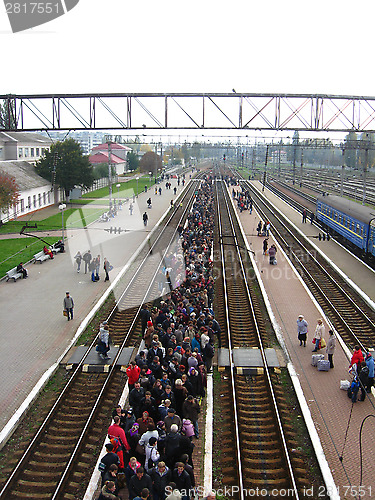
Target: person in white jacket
[152, 454]
[319, 334]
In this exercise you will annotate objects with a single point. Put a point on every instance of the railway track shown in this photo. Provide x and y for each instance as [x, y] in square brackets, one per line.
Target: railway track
[258, 445]
[58, 462]
[347, 311]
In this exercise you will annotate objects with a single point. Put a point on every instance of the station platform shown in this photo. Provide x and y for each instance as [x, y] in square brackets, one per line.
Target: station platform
[34, 333]
[330, 407]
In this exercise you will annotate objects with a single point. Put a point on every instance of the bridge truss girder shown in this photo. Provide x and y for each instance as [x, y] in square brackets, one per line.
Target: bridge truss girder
[187, 111]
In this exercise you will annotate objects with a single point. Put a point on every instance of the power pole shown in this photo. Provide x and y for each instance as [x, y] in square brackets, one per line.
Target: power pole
[110, 174]
[265, 169]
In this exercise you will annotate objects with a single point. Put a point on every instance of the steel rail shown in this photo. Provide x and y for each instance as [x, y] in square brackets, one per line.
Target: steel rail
[261, 347]
[231, 358]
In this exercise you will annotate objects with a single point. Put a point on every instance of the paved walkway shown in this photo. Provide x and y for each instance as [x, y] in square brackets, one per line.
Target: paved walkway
[34, 332]
[329, 406]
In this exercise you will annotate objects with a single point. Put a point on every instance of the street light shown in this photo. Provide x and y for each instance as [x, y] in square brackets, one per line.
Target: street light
[137, 185]
[150, 173]
[62, 207]
[118, 193]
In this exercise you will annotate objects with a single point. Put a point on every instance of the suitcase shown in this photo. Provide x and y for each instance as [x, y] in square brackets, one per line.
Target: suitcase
[323, 365]
[315, 358]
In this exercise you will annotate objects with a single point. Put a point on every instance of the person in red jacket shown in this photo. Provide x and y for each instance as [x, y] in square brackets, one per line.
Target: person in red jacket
[132, 372]
[357, 358]
[117, 437]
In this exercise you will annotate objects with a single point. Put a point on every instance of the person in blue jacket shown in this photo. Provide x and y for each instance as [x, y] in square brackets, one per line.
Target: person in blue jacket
[370, 364]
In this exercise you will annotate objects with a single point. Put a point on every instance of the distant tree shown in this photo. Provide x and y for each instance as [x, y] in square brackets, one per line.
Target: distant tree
[133, 161]
[150, 162]
[7, 116]
[9, 191]
[101, 170]
[66, 166]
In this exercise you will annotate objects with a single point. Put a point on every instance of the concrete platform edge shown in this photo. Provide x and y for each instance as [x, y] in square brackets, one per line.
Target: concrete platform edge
[13, 422]
[314, 436]
[208, 437]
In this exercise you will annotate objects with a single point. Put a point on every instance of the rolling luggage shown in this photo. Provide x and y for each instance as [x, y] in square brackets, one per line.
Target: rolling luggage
[323, 365]
[315, 358]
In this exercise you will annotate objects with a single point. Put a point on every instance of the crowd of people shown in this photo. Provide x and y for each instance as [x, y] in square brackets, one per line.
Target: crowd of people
[153, 439]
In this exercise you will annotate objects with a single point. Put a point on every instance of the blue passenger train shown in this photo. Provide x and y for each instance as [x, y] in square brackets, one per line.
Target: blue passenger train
[353, 222]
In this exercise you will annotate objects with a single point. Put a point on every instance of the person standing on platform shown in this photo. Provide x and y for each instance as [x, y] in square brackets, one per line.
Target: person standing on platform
[363, 379]
[304, 216]
[265, 246]
[78, 258]
[331, 344]
[370, 365]
[145, 218]
[312, 216]
[131, 208]
[357, 359]
[319, 334]
[259, 228]
[68, 304]
[107, 267]
[87, 259]
[302, 329]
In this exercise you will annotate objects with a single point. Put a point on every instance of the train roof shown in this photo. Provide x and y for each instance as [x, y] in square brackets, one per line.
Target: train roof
[349, 207]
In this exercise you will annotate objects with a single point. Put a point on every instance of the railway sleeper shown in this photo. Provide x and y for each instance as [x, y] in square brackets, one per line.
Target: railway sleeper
[66, 430]
[28, 494]
[266, 472]
[56, 456]
[259, 436]
[41, 485]
[40, 475]
[65, 440]
[279, 483]
[50, 463]
[253, 462]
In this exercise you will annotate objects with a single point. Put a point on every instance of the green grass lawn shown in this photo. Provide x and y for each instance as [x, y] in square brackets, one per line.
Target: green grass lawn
[126, 190]
[73, 218]
[14, 251]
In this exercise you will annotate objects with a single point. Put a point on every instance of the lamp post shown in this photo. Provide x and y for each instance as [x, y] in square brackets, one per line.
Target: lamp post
[62, 207]
[150, 173]
[118, 193]
[137, 185]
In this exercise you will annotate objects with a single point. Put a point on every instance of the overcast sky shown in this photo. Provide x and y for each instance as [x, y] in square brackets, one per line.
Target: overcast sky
[196, 46]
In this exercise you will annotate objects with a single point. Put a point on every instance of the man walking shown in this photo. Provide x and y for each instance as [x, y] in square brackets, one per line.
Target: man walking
[145, 218]
[87, 259]
[68, 305]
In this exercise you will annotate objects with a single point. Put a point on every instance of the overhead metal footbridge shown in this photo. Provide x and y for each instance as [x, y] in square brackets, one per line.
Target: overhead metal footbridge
[187, 111]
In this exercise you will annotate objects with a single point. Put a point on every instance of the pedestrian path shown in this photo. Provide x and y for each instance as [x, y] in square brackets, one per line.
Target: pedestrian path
[34, 332]
[330, 407]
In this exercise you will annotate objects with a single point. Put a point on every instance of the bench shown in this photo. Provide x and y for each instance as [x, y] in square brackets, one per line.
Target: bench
[13, 274]
[41, 257]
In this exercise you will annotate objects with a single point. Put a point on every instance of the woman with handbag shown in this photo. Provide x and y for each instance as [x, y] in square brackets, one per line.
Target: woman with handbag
[319, 333]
